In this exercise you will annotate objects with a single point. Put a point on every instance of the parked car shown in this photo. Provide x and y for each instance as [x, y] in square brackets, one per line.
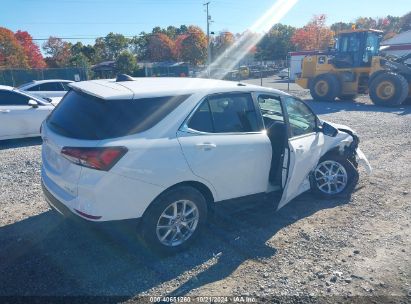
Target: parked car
[164, 150]
[283, 73]
[21, 113]
[47, 88]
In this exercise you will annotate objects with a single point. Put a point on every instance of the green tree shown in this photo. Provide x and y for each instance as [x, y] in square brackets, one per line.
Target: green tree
[276, 43]
[79, 60]
[139, 45]
[82, 55]
[115, 44]
[126, 63]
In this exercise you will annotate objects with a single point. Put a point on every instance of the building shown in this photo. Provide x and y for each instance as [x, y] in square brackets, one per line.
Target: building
[398, 45]
[296, 59]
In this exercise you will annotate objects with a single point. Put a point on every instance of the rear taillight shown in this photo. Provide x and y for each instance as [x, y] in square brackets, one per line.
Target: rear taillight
[95, 158]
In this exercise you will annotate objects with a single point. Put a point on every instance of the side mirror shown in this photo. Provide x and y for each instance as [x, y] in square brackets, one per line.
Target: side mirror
[33, 103]
[328, 130]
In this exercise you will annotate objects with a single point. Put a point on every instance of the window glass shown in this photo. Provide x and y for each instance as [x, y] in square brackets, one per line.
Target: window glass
[13, 99]
[233, 113]
[302, 120]
[65, 86]
[51, 86]
[229, 113]
[33, 88]
[271, 111]
[83, 116]
[202, 120]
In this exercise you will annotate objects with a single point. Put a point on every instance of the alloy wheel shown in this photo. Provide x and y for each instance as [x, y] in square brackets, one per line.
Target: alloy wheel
[177, 223]
[330, 177]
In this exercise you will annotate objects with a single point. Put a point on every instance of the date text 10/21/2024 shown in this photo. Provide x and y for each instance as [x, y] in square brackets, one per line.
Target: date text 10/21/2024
[203, 299]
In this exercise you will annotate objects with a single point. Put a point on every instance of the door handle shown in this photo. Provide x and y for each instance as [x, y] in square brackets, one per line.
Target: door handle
[206, 146]
[4, 111]
[300, 149]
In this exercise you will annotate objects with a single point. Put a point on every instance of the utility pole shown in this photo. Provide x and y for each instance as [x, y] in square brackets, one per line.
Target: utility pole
[208, 39]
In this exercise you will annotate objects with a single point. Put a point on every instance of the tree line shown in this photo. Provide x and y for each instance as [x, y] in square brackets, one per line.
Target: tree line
[184, 43]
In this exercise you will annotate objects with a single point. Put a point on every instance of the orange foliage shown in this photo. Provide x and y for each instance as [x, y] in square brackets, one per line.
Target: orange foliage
[313, 36]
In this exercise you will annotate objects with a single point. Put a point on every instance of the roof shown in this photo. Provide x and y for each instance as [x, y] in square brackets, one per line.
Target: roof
[360, 31]
[6, 88]
[109, 89]
[403, 38]
[37, 82]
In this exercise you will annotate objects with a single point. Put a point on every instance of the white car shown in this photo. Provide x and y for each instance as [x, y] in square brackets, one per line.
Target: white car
[283, 73]
[21, 114]
[165, 149]
[47, 88]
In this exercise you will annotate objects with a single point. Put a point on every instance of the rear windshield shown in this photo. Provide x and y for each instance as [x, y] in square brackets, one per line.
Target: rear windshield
[83, 116]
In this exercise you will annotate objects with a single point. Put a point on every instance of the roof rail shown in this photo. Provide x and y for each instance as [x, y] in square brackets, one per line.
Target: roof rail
[124, 77]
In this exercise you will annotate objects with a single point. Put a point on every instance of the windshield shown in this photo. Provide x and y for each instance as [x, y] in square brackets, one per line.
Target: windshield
[25, 84]
[83, 116]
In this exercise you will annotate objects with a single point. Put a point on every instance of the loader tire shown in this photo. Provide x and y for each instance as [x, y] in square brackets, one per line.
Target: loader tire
[388, 89]
[325, 87]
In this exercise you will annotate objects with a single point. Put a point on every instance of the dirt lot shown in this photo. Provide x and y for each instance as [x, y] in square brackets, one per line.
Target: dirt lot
[356, 248]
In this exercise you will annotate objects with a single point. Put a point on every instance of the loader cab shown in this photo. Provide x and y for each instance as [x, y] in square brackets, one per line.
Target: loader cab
[356, 48]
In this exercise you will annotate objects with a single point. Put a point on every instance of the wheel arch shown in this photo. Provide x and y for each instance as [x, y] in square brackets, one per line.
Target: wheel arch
[202, 188]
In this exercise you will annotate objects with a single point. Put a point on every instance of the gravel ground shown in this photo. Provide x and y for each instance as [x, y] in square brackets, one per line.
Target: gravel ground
[352, 248]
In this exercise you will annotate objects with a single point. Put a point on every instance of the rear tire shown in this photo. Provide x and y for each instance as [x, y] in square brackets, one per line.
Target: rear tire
[388, 89]
[334, 176]
[174, 220]
[325, 87]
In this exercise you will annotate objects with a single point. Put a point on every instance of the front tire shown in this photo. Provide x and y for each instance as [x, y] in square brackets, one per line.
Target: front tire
[174, 220]
[334, 176]
[388, 89]
[325, 87]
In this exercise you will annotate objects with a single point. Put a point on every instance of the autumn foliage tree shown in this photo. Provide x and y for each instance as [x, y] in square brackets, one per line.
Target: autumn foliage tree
[222, 42]
[194, 46]
[313, 36]
[31, 50]
[59, 52]
[160, 48]
[12, 53]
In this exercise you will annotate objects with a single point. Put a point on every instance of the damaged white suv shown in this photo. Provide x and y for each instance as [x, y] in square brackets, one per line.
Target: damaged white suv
[165, 149]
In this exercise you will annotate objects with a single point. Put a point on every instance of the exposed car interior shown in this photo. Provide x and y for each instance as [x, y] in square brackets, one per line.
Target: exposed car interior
[276, 131]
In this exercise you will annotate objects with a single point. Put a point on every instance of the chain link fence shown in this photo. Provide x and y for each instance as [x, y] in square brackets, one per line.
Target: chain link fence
[16, 77]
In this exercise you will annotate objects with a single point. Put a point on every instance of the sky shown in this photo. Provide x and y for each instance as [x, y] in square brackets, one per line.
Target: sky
[95, 18]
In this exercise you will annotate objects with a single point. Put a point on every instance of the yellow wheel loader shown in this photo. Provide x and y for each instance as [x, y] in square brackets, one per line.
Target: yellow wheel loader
[354, 67]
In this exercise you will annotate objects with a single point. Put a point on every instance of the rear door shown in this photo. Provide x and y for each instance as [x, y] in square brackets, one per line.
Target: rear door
[224, 144]
[305, 146]
[51, 89]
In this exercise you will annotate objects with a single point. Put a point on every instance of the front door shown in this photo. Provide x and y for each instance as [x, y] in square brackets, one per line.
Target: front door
[224, 144]
[17, 118]
[304, 146]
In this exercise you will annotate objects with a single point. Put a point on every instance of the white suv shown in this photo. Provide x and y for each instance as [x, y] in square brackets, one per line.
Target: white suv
[166, 149]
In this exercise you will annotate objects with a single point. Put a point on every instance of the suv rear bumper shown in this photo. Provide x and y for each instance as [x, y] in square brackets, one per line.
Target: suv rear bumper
[55, 204]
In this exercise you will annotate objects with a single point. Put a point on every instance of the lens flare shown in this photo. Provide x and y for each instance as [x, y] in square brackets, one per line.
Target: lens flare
[232, 56]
